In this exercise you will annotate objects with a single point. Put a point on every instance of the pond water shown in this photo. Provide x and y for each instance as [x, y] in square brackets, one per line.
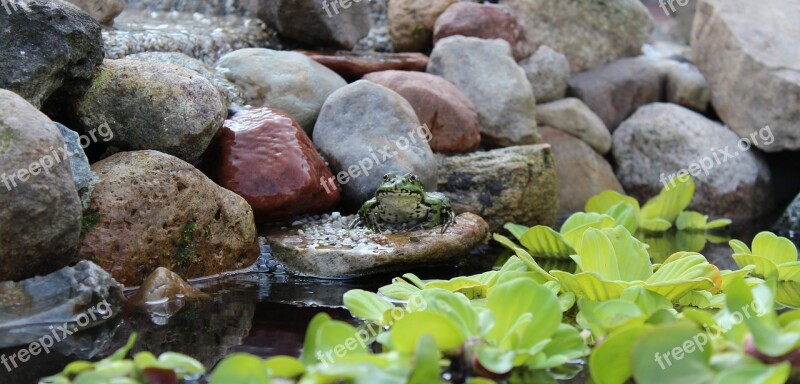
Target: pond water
[266, 314]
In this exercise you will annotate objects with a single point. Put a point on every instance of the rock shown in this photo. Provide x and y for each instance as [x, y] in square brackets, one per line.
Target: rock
[515, 184]
[574, 117]
[789, 223]
[231, 92]
[82, 174]
[72, 38]
[582, 173]
[614, 91]
[212, 7]
[164, 286]
[365, 131]
[104, 11]
[589, 33]
[763, 87]
[288, 81]
[486, 21]
[548, 72]
[660, 140]
[316, 23]
[685, 85]
[485, 71]
[411, 22]
[265, 157]
[336, 255]
[354, 65]
[40, 214]
[79, 298]
[153, 106]
[153, 210]
[206, 38]
[448, 113]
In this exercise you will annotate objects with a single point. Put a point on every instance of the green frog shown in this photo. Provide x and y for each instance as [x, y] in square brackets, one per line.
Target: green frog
[402, 199]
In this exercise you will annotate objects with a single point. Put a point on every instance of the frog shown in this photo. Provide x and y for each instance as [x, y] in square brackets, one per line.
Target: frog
[402, 200]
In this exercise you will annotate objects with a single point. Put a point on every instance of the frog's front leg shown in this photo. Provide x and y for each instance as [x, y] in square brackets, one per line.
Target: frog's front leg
[366, 217]
[441, 212]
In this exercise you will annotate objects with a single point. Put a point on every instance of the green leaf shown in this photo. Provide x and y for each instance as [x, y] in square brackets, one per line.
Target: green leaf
[366, 305]
[603, 202]
[286, 367]
[335, 336]
[610, 363]
[122, 352]
[755, 374]
[516, 230]
[495, 360]
[625, 215]
[308, 356]
[426, 369]
[739, 247]
[779, 250]
[669, 354]
[590, 285]
[407, 331]
[655, 225]
[673, 199]
[510, 301]
[763, 267]
[542, 241]
[399, 289]
[240, 368]
[182, 365]
[566, 342]
[633, 261]
[455, 306]
[691, 221]
[598, 255]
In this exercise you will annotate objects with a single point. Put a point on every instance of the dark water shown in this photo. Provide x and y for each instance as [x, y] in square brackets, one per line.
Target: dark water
[267, 314]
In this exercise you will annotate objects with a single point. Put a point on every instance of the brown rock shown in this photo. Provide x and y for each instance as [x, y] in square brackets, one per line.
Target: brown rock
[267, 158]
[411, 22]
[448, 113]
[164, 285]
[615, 90]
[153, 210]
[486, 21]
[582, 173]
[353, 65]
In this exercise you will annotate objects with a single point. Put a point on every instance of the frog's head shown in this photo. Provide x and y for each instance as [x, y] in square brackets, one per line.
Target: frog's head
[400, 185]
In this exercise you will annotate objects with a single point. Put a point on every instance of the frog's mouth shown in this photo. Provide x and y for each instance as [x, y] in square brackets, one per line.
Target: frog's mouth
[401, 192]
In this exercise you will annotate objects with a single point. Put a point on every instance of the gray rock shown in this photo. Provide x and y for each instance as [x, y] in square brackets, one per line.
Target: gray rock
[310, 22]
[661, 139]
[325, 249]
[789, 223]
[582, 172]
[746, 51]
[289, 81]
[514, 184]
[205, 38]
[589, 33]
[574, 117]
[686, 86]
[366, 125]
[81, 297]
[82, 174]
[411, 22]
[486, 72]
[153, 106]
[206, 7]
[614, 91]
[548, 72]
[232, 93]
[40, 214]
[46, 44]
[103, 11]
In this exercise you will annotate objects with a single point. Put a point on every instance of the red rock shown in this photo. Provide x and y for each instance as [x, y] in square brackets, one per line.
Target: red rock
[448, 113]
[485, 21]
[353, 65]
[267, 158]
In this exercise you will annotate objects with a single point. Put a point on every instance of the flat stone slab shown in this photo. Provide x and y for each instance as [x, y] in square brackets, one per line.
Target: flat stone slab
[327, 248]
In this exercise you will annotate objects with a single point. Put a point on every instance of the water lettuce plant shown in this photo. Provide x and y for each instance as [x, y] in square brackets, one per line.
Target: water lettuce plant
[772, 256]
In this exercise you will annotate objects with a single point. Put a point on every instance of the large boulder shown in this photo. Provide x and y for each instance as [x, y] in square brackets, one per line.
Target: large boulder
[316, 23]
[789, 223]
[615, 90]
[574, 117]
[153, 210]
[289, 81]
[365, 131]
[661, 141]
[747, 52]
[153, 106]
[411, 22]
[265, 157]
[448, 113]
[548, 72]
[589, 33]
[40, 213]
[486, 72]
[103, 11]
[582, 172]
[45, 45]
[486, 21]
[514, 184]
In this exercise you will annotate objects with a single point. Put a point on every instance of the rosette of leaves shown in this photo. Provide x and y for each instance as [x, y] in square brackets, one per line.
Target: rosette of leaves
[144, 368]
[518, 326]
[772, 257]
[698, 347]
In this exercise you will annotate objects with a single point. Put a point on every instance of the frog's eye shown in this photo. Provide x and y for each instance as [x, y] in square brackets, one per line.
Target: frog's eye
[387, 177]
[412, 178]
